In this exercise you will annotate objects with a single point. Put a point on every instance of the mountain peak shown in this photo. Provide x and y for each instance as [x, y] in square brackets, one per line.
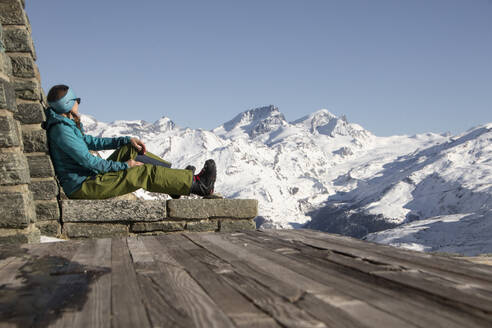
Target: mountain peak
[256, 121]
[163, 124]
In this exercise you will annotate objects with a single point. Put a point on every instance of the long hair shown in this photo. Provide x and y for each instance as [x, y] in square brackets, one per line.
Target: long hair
[56, 93]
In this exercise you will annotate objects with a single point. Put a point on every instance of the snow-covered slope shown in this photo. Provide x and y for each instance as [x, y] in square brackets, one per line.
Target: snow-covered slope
[326, 173]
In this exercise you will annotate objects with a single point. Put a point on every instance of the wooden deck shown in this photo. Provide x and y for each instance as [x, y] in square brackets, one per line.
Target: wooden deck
[287, 278]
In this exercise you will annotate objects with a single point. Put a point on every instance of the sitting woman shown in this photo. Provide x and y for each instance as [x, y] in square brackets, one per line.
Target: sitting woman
[131, 167]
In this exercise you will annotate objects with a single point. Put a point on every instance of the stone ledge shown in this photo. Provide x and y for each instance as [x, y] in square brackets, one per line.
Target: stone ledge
[7, 96]
[31, 234]
[231, 225]
[164, 226]
[112, 210]
[12, 13]
[17, 209]
[94, 230]
[202, 225]
[47, 210]
[212, 208]
[9, 132]
[116, 218]
[49, 228]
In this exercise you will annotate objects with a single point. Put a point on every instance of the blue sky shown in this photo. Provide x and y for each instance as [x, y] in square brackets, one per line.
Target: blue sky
[393, 66]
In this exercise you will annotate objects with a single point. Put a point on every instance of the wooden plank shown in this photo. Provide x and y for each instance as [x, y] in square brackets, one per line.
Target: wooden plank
[287, 290]
[421, 260]
[419, 309]
[127, 308]
[9, 276]
[70, 289]
[462, 291]
[288, 314]
[221, 245]
[96, 310]
[195, 258]
[400, 290]
[21, 304]
[157, 301]
[174, 287]
[329, 315]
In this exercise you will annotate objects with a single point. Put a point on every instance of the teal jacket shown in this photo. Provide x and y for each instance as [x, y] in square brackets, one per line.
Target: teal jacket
[69, 150]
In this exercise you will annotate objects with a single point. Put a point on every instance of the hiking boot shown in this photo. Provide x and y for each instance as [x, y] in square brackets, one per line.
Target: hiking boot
[192, 169]
[203, 182]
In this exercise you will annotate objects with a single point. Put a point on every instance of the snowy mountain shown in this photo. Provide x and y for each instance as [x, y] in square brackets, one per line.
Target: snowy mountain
[325, 173]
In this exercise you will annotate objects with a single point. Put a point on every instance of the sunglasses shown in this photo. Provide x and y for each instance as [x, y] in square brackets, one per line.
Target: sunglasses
[77, 100]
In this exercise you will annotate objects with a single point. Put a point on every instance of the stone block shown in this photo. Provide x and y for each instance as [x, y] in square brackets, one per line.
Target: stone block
[9, 132]
[30, 113]
[47, 210]
[13, 169]
[27, 89]
[35, 141]
[16, 209]
[7, 96]
[40, 166]
[212, 208]
[158, 226]
[94, 230]
[49, 228]
[43, 189]
[202, 225]
[230, 225]
[18, 39]
[5, 64]
[12, 13]
[23, 66]
[113, 210]
[30, 234]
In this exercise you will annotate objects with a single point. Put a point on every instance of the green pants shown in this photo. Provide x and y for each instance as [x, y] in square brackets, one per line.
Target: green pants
[150, 177]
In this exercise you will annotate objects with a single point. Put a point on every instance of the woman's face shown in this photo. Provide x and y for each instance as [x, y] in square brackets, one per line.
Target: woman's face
[75, 109]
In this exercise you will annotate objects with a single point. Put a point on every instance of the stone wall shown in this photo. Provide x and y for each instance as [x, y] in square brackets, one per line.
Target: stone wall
[28, 190]
[118, 218]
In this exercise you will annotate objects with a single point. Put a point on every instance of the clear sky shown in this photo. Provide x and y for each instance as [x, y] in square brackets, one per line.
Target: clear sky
[393, 66]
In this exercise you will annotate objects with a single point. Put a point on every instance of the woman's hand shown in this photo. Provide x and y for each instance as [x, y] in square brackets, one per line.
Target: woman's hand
[139, 145]
[132, 163]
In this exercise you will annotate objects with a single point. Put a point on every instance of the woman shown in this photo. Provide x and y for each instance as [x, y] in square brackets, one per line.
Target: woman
[131, 167]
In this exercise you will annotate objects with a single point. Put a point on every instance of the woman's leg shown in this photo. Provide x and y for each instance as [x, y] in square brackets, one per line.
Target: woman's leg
[127, 152]
[149, 177]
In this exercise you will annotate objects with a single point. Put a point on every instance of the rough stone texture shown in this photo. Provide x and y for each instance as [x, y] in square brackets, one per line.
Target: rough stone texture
[5, 64]
[15, 236]
[30, 113]
[49, 228]
[212, 208]
[113, 210]
[16, 210]
[18, 39]
[35, 141]
[47, 210]
[7, 96]
[11, 13]
[23, 66]
[9, 133]
[13, 169]
[94, 230]
[158, 226]
[202, 225]
[27, 89]
[230, 225]
[44, 189]
[40, 166]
